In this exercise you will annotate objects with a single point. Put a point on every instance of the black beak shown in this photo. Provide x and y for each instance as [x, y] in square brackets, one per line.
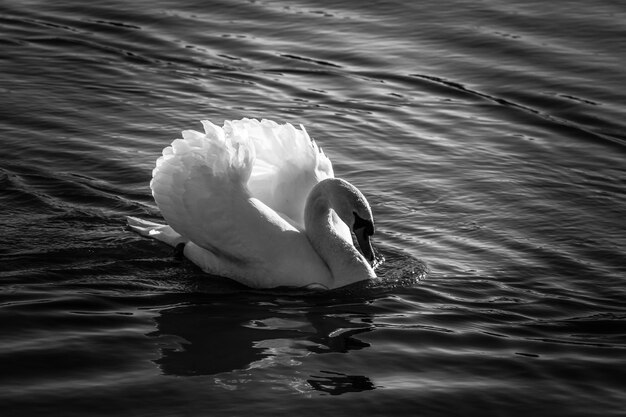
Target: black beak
[363, 229]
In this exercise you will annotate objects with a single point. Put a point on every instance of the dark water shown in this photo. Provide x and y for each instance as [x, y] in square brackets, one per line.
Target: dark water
[488, 136]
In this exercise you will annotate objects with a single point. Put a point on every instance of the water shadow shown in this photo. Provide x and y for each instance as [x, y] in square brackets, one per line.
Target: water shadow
[222, 336]
[336, 383]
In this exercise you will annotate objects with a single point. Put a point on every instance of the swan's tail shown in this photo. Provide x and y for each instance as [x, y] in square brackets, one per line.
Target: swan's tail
[161, 232]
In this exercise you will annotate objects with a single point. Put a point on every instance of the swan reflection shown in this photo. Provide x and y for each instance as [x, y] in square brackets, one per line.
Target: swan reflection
[335, 383]
[239, 338]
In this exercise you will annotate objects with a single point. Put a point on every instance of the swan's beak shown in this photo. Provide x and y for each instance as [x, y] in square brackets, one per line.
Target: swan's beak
[363, 239]
[363, 229]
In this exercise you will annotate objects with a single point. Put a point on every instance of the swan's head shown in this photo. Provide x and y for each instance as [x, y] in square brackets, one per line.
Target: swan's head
[353, 209]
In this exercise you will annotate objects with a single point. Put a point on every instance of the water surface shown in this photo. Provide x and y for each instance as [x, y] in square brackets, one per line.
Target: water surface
[488, 137]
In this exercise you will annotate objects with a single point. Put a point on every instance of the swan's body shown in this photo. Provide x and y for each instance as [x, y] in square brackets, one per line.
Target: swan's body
[258, 202]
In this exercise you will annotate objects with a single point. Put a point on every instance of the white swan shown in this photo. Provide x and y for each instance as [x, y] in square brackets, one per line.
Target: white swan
[258, 202]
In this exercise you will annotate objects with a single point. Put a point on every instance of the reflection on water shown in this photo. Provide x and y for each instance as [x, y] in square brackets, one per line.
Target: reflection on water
[224, 336]
[216, 338]
[336, 383]
[207, 345]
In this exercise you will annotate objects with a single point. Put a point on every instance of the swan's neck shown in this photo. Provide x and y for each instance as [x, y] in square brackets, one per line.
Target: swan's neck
[331, 239]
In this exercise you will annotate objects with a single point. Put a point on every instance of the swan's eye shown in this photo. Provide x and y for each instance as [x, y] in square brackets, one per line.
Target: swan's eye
[360, 223]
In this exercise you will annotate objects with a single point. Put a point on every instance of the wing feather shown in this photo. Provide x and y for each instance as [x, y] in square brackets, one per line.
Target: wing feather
[196, 182]
[232, 188]
[288, 165]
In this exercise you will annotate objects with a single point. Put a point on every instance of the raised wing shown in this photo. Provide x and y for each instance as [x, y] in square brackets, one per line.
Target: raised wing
[199, 186]
[227, 189]
[288, 165]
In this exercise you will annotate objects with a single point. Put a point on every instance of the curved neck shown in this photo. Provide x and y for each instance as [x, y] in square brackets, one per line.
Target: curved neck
[331, 238]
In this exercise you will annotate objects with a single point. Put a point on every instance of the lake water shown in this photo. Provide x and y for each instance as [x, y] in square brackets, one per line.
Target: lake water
[489, 137]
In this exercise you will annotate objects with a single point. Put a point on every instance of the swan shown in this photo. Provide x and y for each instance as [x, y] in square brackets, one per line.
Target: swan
[258, 202]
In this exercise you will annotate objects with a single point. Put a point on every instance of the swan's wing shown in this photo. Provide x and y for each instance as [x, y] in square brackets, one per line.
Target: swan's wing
[199, 185]
[288, 165]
